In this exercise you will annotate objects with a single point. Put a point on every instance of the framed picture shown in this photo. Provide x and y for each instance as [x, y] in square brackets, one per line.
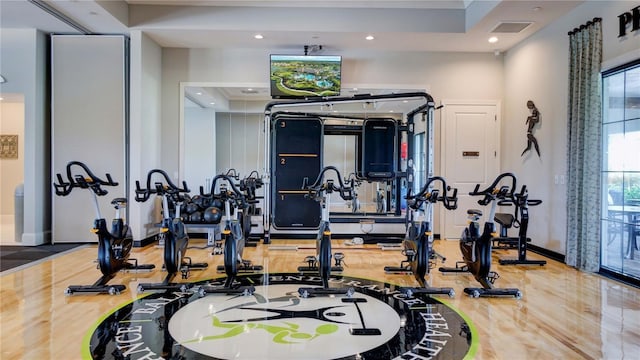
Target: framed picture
[8, 146]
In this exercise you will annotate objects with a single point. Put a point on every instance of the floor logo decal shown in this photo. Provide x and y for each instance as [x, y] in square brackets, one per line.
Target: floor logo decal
[377, 322]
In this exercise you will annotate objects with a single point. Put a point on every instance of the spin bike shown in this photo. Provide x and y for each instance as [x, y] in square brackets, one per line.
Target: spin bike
[321, 263]
[114, 247]
[233, 235]
[476, 246]
[355, 202]
[249, 185]
[519, 220]
[418, 243]
[172, 230]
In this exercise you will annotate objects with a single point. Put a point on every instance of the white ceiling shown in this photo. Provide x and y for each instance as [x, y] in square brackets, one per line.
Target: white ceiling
[340, 26]
[288, 25]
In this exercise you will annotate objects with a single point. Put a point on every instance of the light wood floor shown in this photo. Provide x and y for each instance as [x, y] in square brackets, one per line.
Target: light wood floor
[564, 313]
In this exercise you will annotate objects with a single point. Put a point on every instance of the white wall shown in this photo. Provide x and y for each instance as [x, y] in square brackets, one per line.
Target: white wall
[88, 125]
[23, 55]
[145, 128]
[537, 70]
[239, 142]
[199, 147]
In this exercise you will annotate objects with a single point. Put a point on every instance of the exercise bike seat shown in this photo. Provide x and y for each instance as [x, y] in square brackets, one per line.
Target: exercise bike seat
[474, 212]
[505, 220]
[119, 202]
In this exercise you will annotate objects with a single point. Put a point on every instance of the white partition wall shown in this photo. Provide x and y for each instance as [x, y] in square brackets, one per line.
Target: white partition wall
[89, 124]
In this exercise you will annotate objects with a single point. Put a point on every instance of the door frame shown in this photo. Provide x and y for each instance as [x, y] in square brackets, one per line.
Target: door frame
[443, 135]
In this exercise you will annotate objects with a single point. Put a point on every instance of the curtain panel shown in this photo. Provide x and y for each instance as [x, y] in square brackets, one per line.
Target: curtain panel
[584, 147]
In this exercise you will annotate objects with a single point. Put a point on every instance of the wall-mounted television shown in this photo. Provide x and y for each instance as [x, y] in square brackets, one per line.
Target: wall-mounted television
[304, 76]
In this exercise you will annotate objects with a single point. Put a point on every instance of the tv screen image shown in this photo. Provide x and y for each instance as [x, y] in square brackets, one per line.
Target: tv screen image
[301, 76]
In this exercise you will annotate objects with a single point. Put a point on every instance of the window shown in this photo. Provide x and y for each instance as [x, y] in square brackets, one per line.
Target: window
[621, 171]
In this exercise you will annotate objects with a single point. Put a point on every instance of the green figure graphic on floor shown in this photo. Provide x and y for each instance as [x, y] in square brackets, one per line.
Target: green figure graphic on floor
[282, 334]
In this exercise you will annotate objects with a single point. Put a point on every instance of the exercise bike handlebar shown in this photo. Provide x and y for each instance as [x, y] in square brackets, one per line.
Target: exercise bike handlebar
[520, 199]
[449, 199]
[88, 180]
[250, 184]
[161, 188]
[492, 192]
[318, 186]
[239, 197]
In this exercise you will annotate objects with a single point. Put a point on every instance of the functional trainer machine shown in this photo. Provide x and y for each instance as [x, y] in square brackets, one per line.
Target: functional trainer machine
[114, 247]
[172, 230]
[383, 139]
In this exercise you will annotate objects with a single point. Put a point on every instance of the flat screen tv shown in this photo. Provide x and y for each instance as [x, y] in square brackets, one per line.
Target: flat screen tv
[304, 76]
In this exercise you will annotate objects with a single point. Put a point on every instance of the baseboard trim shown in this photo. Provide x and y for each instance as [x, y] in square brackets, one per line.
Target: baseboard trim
[546, 252]
[368, 238]
[144, 242]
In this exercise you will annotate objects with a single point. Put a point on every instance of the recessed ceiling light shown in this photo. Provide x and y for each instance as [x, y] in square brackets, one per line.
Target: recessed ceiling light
[493, 39]
[1, 98]
[369, 37]
[212, 103]
[198, 93]
[258, 36]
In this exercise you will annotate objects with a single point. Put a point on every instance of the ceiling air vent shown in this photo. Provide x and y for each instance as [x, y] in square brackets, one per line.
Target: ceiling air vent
[512, 27]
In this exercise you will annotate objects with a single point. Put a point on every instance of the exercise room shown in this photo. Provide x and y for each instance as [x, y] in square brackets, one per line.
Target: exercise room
[319, 180]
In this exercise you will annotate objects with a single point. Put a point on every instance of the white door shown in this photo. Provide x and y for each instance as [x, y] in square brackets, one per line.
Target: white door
[470, 156]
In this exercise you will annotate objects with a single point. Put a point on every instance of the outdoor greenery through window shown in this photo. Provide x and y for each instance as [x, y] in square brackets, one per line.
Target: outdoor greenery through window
[621, 171]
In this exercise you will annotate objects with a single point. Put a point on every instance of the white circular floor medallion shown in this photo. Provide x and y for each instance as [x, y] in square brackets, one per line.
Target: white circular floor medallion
[378, 322]
[276, 321]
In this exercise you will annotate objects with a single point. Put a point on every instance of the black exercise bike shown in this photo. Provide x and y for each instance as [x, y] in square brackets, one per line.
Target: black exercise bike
[235, 204]
[172, 230]
[418, 242]
[114, 247]
[249, 186]
[520, 220]
[321, 262]
[476, 247]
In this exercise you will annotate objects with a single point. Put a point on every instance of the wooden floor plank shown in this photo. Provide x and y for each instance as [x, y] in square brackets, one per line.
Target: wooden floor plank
[564, 313]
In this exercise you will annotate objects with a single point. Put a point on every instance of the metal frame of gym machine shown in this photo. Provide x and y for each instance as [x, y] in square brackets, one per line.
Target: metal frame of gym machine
[392, 227]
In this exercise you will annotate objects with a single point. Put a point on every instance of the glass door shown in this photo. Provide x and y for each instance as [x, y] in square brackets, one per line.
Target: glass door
[621, 171]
